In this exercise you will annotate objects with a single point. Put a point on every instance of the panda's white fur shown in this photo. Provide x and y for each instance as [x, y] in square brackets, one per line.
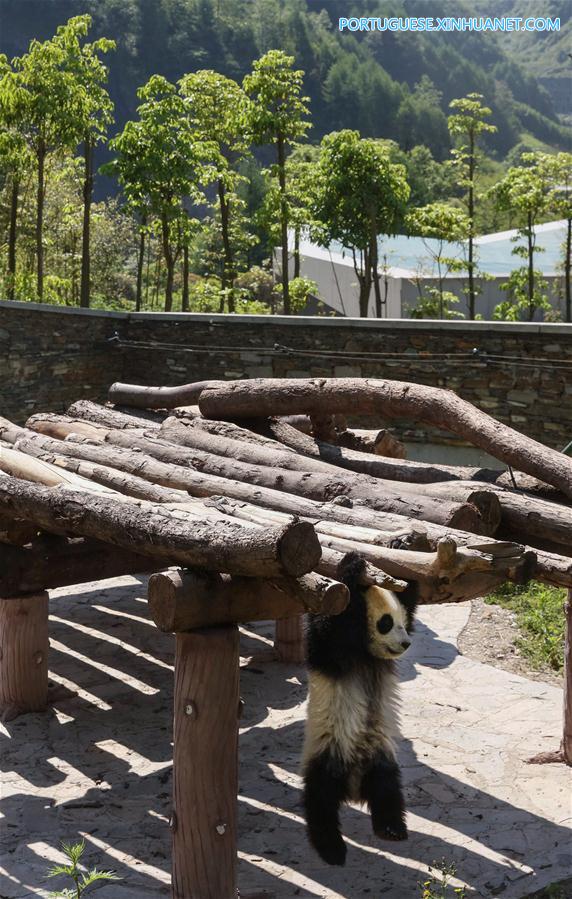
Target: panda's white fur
[352, 720]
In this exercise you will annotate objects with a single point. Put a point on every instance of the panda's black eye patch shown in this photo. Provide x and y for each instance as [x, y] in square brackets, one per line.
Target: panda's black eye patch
[385, 624]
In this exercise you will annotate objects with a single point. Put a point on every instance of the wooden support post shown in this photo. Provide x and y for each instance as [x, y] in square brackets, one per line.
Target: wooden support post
[289, 639]
[205, 764]
[23, 655]
[567, 728]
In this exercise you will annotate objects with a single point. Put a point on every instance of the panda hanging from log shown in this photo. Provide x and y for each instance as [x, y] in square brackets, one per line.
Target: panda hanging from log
[349, 750]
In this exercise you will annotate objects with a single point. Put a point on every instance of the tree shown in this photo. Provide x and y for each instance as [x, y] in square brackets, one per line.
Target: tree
[91, 114]
[40, 98]
[360, 194]
[160, 163]
[278, 117]
[15, 162]
[468, 123]
[526, 190]
[558, 170]
[218, 112]
[438, 224]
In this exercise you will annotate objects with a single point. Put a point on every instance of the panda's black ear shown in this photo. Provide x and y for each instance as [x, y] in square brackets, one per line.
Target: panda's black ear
[409, 599]
[351, 570]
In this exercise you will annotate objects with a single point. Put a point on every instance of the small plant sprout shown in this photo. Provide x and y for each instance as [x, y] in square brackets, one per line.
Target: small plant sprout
[438, 884]
[82, 879]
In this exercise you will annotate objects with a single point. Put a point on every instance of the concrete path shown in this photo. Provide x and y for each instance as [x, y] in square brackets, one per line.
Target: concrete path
[98, 764]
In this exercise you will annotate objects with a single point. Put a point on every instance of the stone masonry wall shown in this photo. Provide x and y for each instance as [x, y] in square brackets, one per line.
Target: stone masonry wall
[520, 373]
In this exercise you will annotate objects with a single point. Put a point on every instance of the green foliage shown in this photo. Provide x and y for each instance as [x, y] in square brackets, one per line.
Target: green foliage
[279, 110]
[300, 290]
[82, 879]
[359, 194]
[521, 304]
[539, 610]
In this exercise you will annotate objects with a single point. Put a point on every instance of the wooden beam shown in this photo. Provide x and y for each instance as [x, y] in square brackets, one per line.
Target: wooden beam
[185, 600]
[23, 655]
[205, 764]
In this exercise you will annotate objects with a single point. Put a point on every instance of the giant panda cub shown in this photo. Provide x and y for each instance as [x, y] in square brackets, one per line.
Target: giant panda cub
[349, 751]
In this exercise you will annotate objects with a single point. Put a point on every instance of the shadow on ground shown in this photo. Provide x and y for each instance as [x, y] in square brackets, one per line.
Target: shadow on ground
[98, 764]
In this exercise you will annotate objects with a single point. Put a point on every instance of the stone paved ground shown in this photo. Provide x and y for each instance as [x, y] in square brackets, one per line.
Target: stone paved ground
[98, 764]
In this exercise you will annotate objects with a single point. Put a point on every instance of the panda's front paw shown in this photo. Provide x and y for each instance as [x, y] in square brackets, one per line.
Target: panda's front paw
[386, 828]
[330, 847]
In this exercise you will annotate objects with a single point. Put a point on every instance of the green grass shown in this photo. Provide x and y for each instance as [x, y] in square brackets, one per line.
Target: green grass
[540, 618]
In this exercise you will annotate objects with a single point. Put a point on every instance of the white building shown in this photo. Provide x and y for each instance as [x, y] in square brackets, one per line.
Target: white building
[407, 264]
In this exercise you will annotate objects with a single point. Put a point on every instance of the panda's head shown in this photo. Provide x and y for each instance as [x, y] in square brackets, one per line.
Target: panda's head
[388, 636]
[381, 620]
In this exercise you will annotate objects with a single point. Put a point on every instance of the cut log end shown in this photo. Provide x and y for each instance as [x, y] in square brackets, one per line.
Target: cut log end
[299, 548]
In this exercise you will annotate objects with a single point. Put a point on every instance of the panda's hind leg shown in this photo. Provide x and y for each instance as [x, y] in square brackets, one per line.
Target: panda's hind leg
[325, 788]
[381, 789]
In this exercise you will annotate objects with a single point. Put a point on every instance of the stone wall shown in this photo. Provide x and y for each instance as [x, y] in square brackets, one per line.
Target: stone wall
[520, 373]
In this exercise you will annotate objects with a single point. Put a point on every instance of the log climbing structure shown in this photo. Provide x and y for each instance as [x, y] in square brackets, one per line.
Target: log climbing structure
[240, 499]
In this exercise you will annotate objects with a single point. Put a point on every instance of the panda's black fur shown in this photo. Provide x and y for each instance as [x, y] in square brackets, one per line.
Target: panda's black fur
[349, 750]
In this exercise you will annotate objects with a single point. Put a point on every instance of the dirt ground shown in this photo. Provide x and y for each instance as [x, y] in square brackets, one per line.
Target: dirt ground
[490, 637]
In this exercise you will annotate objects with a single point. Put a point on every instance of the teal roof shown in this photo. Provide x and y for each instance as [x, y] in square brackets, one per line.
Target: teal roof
[494, 251]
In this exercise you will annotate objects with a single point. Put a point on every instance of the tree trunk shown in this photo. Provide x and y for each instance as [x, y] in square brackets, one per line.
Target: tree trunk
[205, 764]
[471, 237]
[530, 244]
[185, 305]
[23, 655]
[390, 399]
[567, 266]
[281, 151]
[40, 196]
[297, 251]
[139, 526]
[12, 237]
[140, 264]
[186, 600]
[169, 262]
[228, 272]
[85, 288]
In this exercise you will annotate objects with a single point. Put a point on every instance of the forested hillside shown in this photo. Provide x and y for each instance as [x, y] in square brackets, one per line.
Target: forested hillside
[384, 85]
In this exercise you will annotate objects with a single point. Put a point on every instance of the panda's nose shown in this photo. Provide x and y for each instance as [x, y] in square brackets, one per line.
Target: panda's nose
[406, 644]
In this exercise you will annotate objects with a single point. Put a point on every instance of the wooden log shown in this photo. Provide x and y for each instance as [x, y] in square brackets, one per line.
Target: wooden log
[390, 399]
[157, 397]
[128, 484]
[139, 526]
[340, 509]
[205, 764]
[23, 655]
[60, 426]
[21, 465]
[48, 562]
[516, 480]
[289, 641]
[312, 485]
[16, 532]
[402, 470]
[529, 516]
[186, 600]
[381, 443]
[111, 417]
